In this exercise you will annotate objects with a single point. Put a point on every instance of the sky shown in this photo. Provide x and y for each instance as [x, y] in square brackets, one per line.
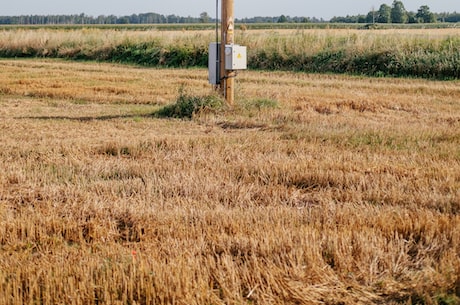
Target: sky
[325, 9]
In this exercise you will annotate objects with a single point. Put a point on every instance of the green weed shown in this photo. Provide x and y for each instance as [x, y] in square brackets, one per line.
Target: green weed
[259, 103]
[188, 105]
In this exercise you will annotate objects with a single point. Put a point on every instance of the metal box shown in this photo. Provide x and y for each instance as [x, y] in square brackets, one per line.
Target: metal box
[235, 57]
[214, 63]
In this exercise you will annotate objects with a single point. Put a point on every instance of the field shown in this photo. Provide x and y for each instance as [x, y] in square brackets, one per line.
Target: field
[312, 189]
[431, 54]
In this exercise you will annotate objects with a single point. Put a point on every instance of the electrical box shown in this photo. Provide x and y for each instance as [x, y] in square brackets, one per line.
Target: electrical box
[214, 63]
[235, 57]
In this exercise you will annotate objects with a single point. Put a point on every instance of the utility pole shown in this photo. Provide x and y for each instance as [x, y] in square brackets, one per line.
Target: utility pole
[373, 15]
[227, 38]
[226, 58]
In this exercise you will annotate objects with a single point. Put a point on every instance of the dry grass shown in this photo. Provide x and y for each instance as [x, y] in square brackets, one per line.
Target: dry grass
[92, 39]
[309, 41]
[421, 53]
[314, 41]
[346, 193]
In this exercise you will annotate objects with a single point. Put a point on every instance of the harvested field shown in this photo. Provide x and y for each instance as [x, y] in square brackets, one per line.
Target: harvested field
[312, 189]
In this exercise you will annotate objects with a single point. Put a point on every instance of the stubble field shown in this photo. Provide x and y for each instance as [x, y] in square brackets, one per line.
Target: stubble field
[312, 189]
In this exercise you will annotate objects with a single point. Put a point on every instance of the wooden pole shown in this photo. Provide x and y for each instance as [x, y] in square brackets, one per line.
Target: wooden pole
[228, 33]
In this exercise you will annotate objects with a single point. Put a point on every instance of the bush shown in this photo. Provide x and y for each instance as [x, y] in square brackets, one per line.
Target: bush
[187, 105]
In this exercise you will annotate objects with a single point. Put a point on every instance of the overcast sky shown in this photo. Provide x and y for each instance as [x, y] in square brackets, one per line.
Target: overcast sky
[243, 8]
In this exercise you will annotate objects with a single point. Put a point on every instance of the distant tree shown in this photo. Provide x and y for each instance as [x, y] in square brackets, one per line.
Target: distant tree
[362, 19]
[282, 19]
[398, 12]
[425, 15]
[204, 17]
[411, 18]
[349, 19]
[123, 20]
[133, 19]
[101, 19]
[81, 19]
[173, 19]
[384, 14]
[371, 16]
[449, 17]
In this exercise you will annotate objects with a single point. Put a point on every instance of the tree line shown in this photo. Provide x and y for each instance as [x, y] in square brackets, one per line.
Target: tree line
[385, 14]
[147, 18]
[397, 13]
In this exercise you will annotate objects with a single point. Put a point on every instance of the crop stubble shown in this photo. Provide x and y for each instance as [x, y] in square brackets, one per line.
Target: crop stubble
[347, 192]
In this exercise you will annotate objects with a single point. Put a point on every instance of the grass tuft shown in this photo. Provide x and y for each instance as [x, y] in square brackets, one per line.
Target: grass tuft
[259, 103]
[188, 105]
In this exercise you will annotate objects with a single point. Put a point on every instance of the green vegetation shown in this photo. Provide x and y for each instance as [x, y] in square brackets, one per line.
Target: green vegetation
[336, 23]
[413, 61]
[155, 54]
[397, 14]
[259, 103]
[375, 53]
[187, 105]
[386, 14]
[123, 27]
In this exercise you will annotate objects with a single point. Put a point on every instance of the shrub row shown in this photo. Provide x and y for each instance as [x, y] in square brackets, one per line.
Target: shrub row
[142, 53]
[424, 64]
[437, 63]
[154, 54]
